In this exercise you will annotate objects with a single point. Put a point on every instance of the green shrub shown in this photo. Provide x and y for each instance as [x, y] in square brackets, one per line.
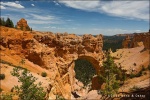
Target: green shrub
[43, 74]
[10, 64]
[28, 90]
[148, 67]
[134, 88]
[1, 90]
[5, 62]
[59, 97]
[2, 76]
[139, 74]
[132, 75]
[6, 97]
[143, 68]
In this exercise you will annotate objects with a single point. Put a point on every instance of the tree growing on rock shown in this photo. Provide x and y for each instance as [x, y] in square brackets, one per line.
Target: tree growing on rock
[28, 90]
[110, 76]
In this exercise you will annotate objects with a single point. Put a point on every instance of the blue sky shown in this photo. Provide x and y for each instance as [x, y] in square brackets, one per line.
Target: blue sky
[80, 17]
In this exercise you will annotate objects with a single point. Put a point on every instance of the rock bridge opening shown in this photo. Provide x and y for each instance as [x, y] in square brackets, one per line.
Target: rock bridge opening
[86, 69]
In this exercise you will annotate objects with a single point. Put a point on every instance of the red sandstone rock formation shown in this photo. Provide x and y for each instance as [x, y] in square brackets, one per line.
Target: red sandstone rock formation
[16, 40]
[137, 40]
[55, 52]
[126, 42]
[22, 24]
[142, 37]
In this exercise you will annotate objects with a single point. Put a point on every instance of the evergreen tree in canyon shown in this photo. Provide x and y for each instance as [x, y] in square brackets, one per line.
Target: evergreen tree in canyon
[110, 76]
[28, 90]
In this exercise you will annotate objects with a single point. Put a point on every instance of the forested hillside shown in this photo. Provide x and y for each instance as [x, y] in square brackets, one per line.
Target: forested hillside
[113, 42]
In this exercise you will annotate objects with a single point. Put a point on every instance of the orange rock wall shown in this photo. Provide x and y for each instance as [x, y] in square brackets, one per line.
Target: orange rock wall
[135, 41]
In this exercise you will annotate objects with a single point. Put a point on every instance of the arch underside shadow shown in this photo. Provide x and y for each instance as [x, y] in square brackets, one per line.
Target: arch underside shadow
[95, 80]
[93, 61]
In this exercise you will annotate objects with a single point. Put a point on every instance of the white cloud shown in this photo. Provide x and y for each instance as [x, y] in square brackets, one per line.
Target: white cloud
[53, 27]
[46, 27]
[17, 1]
[32, 5]
[35, 16]
[2, 7]
[83, 5]
[69, 20]
[126, 9]
[33, 21]
[56, 3]
[114, 31]
[11, 4]
[74, 28]
[45, 17]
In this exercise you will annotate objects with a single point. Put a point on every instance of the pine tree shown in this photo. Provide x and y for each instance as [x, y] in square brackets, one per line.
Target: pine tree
[27, 28]
[9, 23]
[2, 21]
[28, 90]
[109, 77]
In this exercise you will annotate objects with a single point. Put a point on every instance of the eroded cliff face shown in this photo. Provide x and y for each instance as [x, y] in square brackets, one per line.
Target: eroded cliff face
[16, 41]
[54, 52]
[66, 48]
[126, 42]
[69, 47]
[138, 39]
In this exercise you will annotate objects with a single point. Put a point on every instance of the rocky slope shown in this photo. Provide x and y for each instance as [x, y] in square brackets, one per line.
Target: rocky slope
[52, 53]
[134, 60]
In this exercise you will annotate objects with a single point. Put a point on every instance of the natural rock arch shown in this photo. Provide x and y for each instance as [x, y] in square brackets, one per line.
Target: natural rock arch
[93, 61]
[96, 65]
